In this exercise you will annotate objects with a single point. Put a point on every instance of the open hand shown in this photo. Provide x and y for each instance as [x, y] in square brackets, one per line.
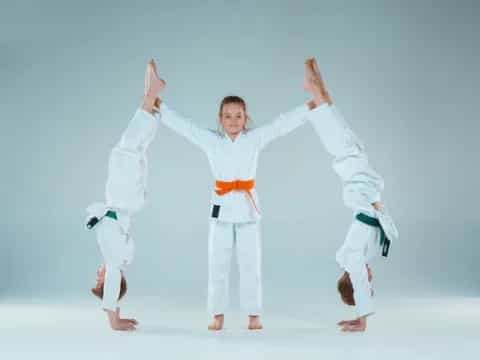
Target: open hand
[124, 325]
[116, 323]
[355, 325]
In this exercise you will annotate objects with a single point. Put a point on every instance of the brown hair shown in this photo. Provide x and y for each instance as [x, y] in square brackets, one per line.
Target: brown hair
[345, 288]
[233, 99]
[98, 291]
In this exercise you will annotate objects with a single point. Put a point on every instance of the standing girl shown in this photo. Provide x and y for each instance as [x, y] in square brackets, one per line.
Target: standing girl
[235, 211]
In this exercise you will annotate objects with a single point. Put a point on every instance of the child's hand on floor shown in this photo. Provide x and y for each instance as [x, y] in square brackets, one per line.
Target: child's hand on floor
[116, 323]
[124, 325]
[356, 325]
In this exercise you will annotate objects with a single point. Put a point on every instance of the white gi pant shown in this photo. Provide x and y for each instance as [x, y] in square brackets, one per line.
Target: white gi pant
[223, 237]
[362, 187]
[125, 194]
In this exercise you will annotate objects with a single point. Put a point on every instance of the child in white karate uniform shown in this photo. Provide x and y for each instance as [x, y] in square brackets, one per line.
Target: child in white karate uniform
[372, 228]
[235, 210]
[125, 195]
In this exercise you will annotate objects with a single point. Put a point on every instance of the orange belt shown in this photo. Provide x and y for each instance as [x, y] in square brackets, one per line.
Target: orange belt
[224, 187]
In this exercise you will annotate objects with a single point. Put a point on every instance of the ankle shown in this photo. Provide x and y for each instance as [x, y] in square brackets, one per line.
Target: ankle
[311, 104]
[150, 104]
[320, 98]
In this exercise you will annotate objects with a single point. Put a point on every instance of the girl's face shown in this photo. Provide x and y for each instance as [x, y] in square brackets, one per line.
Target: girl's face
[233, 118]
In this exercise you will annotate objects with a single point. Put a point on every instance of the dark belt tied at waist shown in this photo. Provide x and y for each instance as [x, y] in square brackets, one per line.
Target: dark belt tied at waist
[111, 214]
[94, 220]
[371, 221]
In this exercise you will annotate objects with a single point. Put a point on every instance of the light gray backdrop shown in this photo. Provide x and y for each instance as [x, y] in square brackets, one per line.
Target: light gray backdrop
[405, 74]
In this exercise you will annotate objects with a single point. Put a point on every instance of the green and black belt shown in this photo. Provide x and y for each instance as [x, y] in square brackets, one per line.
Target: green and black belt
[369, 220]
[111, 214]
[94, 220]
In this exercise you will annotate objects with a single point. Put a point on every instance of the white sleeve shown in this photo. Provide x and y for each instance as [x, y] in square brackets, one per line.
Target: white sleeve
[281, 125]
[111, 287]
[362, 186]
[186, 128]
[356, 268]
[351, 257]
[112, 242]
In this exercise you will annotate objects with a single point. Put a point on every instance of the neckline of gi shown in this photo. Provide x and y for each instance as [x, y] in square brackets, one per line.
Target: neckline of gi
[236, 138]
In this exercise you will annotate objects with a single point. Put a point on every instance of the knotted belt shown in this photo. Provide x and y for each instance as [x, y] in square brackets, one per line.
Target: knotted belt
[368, 220]
[94, 220]
[224, 187]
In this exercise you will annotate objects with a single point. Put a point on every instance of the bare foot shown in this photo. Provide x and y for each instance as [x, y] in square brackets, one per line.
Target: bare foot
[314, 84]
[217, 323]
[308, 75]
[153, 86]
[254, 323]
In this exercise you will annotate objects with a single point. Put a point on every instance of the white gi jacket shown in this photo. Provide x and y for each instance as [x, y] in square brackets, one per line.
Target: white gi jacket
[362, 186]
[234, 160]
[125, 194]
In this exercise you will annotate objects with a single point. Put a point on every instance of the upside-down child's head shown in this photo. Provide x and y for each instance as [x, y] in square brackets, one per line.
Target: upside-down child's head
[98, 289]
[233, 115]
[345, 287]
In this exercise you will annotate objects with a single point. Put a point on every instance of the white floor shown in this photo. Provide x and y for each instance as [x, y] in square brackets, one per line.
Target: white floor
[442, 328]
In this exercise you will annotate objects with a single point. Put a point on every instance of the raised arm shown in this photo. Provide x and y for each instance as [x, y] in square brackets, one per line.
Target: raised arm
[281, 125]
[153, 105]
[292, 119]
[203, 138]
